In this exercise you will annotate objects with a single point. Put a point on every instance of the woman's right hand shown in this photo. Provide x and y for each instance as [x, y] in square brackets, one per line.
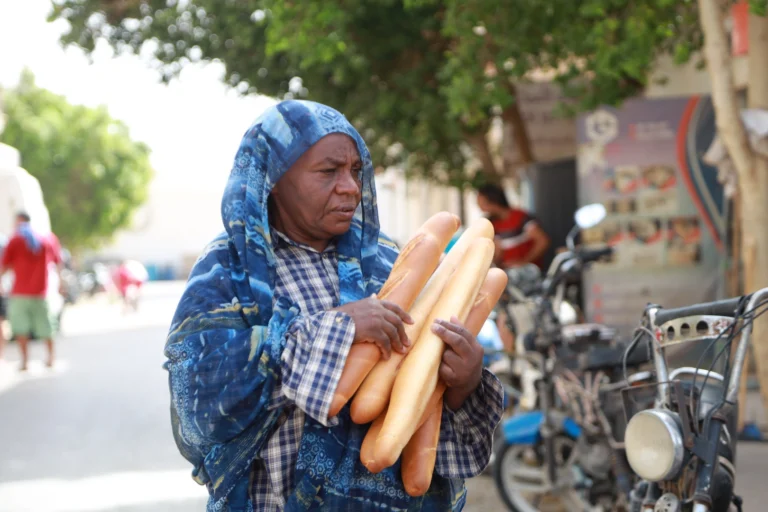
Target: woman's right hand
[380, 322]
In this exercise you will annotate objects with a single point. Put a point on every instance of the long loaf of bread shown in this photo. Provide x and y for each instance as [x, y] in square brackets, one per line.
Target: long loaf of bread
[372, 397]
[411, 271]
[367, 450]
[419, 455]
[417, 378]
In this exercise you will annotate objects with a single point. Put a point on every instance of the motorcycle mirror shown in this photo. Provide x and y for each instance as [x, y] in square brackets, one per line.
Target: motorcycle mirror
[590, 215]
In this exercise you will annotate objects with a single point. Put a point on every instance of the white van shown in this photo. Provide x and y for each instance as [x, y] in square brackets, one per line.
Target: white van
[19, 190]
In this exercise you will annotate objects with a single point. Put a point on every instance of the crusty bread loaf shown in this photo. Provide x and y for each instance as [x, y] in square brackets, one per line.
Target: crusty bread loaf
[417, 378]
[420, 454]
[374, 393]
[411, 271]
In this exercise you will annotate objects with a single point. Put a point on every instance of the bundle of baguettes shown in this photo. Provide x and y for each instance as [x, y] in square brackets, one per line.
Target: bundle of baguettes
[419, 455]
[412, 269]
[403, 395]
[374, 393]
[417, 378]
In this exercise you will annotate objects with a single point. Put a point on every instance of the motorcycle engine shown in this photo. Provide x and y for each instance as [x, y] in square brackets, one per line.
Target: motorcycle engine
[595, 459]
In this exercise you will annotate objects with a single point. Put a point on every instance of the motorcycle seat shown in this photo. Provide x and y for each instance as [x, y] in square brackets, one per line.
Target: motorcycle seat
[610, 358]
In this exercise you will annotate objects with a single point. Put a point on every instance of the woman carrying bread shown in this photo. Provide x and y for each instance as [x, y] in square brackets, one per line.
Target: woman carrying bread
[261, 335]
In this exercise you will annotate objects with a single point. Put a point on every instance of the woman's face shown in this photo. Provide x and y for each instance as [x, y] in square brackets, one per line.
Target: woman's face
[316, 199]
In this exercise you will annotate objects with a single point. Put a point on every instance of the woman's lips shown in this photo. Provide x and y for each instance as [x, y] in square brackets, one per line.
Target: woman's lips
[346, 213]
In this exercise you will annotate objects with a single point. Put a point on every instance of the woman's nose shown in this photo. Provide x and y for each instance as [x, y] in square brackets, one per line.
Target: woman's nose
[348, 182]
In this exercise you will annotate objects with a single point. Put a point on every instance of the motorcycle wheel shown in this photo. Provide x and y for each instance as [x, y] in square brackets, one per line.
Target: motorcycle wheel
[519, 473]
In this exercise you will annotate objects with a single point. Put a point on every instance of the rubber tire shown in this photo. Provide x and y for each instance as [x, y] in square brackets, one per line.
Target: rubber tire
[499, 450]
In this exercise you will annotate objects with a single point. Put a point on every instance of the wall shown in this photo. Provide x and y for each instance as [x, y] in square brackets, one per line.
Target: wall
[172, 228]
[686, 80]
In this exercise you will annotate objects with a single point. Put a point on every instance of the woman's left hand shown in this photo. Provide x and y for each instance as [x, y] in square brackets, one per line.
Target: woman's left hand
[462, 366]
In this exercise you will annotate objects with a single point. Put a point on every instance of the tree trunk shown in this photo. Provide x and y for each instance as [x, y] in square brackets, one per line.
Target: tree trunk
[482, 150]
[754, 190]
[513, 119]
[724, 97]
[755, 257]
[752, 170]
[735, 288]
[515, 134]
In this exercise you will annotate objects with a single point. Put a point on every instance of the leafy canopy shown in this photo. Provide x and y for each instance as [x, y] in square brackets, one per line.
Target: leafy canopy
[423, 76]
[92, 174]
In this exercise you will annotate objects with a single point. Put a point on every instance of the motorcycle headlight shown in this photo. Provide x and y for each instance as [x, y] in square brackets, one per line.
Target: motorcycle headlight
[654, 444]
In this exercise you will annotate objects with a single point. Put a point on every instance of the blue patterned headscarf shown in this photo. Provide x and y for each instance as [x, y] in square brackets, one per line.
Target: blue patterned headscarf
[226, 339]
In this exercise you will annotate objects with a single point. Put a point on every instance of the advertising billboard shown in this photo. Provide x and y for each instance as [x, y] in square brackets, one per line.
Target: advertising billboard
[667, 215]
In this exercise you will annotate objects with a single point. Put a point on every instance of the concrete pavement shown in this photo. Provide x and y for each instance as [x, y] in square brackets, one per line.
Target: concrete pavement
[93, 434]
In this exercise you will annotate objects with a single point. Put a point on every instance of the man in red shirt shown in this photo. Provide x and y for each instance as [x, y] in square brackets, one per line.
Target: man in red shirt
[519, 241]
[28, 255]
[519, 238]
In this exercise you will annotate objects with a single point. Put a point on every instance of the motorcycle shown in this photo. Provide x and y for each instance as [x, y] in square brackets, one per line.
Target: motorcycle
[567, 453]
[519, 303]
[684, 448]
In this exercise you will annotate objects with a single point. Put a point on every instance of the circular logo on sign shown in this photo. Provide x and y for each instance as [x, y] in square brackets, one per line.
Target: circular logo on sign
[602, 126]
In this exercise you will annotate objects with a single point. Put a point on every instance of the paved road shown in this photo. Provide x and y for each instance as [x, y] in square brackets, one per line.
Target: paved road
[93, 434]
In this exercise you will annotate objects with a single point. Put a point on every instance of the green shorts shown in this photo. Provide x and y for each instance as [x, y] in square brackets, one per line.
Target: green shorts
[29, 316]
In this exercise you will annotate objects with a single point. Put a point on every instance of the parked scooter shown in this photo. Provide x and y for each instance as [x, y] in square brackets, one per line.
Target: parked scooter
[566, 455]
[524, 291]
[684, 448]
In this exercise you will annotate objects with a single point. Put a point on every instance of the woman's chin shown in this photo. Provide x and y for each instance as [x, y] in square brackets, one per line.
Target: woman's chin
[339, 227]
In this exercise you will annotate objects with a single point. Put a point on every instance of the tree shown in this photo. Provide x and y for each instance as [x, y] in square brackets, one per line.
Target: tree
[92, 174]
[750, 164]
[423, 80]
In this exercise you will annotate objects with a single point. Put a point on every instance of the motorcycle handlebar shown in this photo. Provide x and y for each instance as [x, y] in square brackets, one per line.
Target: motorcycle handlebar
[590, 255]
[725, 307]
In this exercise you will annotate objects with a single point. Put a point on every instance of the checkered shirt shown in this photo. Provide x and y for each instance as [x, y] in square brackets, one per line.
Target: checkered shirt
[312, 362]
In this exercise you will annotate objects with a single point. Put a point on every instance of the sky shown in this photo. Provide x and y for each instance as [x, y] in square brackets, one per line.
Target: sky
[193, 125]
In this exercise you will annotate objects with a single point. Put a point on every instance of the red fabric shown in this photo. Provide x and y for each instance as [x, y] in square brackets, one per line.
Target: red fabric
[511, 231]
[126, 278]
[31, 269]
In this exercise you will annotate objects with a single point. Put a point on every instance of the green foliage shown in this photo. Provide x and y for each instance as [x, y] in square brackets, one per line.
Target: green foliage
[425, 74]
[92, 174]
[758, 7]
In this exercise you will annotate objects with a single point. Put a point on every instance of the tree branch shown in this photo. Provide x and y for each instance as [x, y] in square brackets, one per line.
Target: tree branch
[512, 116]
[482, 150]
[727, 111]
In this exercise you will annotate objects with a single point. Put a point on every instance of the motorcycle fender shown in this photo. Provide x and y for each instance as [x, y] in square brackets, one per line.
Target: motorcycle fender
[525, 428]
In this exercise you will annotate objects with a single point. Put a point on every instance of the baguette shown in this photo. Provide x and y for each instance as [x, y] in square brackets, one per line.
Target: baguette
[437, 396]
[417, 378]
[368, 448]
[420, 453]
[410, 273]
[418, 462]
[373, 395]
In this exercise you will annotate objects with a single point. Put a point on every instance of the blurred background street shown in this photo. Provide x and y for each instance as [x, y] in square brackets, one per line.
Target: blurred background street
[119, 121]
[93, 435]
